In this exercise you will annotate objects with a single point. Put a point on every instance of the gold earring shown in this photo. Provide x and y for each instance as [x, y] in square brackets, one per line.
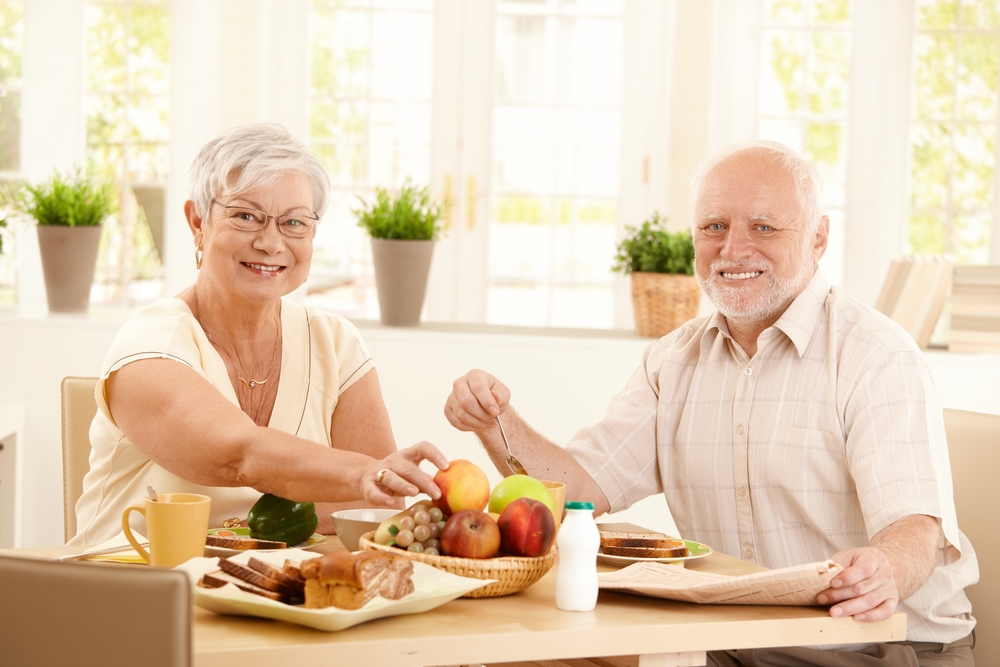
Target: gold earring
[197, 258]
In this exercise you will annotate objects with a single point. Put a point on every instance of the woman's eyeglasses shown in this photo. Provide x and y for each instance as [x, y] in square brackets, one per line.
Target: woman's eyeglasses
[294, 225]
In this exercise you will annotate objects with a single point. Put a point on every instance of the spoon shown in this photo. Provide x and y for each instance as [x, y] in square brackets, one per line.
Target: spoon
[152, 492]
[512, 462]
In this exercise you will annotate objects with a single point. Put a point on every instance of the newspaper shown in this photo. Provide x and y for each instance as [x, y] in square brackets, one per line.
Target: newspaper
[797, 585]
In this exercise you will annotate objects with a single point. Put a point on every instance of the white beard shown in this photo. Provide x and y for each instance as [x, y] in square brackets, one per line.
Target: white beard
[754, 305]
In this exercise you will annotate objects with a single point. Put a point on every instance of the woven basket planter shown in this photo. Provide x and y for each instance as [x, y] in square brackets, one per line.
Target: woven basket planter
[512, 574]
[663, 301]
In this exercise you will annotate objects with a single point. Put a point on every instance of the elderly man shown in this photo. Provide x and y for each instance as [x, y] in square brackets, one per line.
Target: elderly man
[794, 424]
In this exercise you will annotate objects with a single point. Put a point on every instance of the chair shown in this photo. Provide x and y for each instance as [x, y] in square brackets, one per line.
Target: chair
[974, 450]
[93, 614]
[78, 410]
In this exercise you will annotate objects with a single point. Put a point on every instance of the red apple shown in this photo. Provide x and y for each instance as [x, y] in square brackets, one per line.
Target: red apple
[471, 534]
[464, 486]
[527, 528]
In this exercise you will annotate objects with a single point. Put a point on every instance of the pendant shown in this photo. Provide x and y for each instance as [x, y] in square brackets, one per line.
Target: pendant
[252, 383]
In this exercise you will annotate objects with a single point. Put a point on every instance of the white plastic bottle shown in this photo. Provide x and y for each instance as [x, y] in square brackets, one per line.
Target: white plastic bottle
[578, 541]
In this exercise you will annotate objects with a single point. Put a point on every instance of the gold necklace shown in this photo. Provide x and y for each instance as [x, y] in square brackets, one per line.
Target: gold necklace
[252, 383]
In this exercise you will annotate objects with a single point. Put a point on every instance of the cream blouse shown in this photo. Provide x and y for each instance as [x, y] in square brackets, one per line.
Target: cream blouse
[322, 355]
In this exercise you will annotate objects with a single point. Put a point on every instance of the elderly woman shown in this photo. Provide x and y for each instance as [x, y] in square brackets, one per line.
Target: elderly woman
[231, 390]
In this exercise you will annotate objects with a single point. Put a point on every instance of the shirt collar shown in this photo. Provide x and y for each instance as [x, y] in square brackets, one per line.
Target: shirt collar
[797, 322]
[802, 316]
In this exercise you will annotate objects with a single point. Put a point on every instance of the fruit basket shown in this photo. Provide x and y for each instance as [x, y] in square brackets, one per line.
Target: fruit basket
[512, 574]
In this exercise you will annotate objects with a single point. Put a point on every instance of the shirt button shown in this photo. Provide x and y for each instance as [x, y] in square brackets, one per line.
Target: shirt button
[742, 491]
[748, 371]
[748, 554]
[739, 429]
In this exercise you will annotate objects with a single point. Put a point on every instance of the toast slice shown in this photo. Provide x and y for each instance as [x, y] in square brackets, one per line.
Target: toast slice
[618, 538]
[254, 577]
[218, 579]
[277, 574]
[641, 545]
[679, 550]
[241, 543]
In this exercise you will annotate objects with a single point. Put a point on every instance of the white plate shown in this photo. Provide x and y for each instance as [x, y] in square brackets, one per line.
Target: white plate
[434, 587]
[314, 541]
[695, 550]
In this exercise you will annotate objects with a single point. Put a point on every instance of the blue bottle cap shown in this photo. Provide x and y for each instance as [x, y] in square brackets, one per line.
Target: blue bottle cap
[577, 505]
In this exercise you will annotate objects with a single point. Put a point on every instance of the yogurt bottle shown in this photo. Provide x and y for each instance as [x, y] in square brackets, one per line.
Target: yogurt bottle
[578, 541]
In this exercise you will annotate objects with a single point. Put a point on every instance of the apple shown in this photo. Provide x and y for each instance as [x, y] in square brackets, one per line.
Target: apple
[470, 534]
[464, 486]
[518, 486]
[527, 528]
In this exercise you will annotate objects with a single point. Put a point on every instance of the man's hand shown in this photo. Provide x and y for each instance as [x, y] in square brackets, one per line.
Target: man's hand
[865, 589]
[476, 400]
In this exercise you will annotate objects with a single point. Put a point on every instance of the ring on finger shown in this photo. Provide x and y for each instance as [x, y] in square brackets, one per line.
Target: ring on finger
[381, 474]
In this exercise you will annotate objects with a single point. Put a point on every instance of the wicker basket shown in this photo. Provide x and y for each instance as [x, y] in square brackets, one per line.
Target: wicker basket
[512, 574]
[663, 302]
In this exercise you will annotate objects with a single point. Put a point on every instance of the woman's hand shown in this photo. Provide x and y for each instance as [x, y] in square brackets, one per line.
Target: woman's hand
[476, 400]
[399, 474]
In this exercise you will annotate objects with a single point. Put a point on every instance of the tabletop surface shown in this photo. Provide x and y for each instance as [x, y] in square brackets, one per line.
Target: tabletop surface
[526, 626]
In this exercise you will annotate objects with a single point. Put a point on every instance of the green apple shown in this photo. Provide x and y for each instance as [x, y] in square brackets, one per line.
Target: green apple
[518, 486]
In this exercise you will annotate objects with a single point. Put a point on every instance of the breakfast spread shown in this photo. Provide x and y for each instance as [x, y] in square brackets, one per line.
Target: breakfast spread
[342, 579]
[641, 545]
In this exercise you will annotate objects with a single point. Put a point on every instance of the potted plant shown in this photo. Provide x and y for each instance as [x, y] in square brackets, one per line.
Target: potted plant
[665, 292]
[403, 227]
[68, 212]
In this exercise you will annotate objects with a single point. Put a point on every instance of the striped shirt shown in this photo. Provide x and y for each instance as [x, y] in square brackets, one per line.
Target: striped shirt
[829, 434]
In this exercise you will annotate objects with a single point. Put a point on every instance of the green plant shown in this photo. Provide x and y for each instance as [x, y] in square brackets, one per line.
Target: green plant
[409, 214]
[76, 200]
[3, 223]
[652, 249]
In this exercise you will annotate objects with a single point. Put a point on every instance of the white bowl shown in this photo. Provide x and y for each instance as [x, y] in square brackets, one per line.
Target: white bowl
[352, 524]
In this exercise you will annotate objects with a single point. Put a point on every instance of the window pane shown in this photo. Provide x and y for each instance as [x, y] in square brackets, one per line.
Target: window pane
[127, 104]
[556, 149]
[940, 14]
[782, 78]
[369, 110]
[953, 135]
[978, 74]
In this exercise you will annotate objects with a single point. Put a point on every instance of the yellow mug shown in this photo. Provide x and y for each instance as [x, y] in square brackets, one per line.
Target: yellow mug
[558, 492]
[176, 524]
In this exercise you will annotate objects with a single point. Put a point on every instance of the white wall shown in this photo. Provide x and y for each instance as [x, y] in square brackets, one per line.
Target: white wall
[559, 381]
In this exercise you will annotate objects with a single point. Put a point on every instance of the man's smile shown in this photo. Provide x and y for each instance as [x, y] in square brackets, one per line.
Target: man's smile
[740, 276]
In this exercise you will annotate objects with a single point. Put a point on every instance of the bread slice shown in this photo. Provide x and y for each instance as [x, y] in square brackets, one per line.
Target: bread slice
[218, 579]
[254, 577]
[241, 543]
[636, 539]
[677, 550]
[276, 573]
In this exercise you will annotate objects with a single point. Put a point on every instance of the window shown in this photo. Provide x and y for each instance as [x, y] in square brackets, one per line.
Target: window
[369, 114]
[556, 144]
[127, 106]
[11, 43]
[953, 129]
[803, 100]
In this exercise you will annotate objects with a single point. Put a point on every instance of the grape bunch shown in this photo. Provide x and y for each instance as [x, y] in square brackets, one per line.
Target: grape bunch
[419, 530]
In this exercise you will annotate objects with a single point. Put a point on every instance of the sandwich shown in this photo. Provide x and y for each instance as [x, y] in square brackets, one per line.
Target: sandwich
[350, 581]
[641, 545]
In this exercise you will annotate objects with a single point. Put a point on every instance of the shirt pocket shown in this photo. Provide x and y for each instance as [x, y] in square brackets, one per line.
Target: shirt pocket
[807, 481]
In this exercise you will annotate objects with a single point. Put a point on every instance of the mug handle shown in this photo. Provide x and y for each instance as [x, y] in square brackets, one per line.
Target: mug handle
[127, 529]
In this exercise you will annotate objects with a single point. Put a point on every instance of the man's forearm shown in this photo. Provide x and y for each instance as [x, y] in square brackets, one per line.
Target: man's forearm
[542, 458]
[911, 545]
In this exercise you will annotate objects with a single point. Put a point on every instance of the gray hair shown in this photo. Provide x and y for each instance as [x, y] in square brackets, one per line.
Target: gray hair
[808, 180]
[249, 157]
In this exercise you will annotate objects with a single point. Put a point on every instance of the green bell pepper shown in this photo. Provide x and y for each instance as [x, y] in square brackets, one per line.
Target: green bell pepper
[274, 518]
